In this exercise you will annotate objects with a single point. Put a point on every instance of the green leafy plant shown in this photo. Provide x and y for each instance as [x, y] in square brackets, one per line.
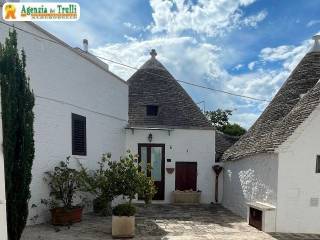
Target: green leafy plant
[17, 102]
[148, 189]
[64, 183]
[100, 183]
[130, 181]
[125, 209]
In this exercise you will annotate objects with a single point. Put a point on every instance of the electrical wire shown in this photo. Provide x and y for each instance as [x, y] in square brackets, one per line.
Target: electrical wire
[134, 68]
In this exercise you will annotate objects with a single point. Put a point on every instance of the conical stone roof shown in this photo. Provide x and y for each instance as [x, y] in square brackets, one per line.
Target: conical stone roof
[152, 84]
[293, 103]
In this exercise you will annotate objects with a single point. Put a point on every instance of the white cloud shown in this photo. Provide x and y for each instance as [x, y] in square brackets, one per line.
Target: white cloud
[134, 27]
[206, 17]
[238, 67]
[201, 62]
[178, 53]
[244, 119]
[197, 62]
[251, 65]
[253, 21]
[288, 54]
[313, 22]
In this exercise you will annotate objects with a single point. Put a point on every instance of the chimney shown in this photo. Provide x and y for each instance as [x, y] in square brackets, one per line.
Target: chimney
[85, 45]
[316, 46]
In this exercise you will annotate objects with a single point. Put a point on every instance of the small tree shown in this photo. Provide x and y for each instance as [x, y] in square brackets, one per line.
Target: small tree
[18, 145]
[101, 183]
[130, 183]
[129, 178]
[233, 129]
[220, 120]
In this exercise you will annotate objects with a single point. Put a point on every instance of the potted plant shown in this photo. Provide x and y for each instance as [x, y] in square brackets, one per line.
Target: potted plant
[123, 220]
[148, 190]
[129, 181]
[64, 184]
[101, 184]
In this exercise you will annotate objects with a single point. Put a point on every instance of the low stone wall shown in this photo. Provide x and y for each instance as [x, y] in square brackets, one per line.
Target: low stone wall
[186, 197]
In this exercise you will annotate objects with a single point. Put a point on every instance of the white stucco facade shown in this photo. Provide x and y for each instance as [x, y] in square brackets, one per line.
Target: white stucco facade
[298, 207]
[3, 215]
[182, 145]
[250, 179]
[64, 83]
[286, 179]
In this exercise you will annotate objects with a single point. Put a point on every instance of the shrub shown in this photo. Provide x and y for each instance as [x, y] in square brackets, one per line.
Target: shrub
[101, 183]
[64, 183]
[125, 209]
[148, 189]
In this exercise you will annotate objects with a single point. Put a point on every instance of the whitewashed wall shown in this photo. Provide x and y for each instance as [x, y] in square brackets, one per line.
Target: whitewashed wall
[298, 182]
[184, 146]
[3, 215]
[248, 180]
[67, 81]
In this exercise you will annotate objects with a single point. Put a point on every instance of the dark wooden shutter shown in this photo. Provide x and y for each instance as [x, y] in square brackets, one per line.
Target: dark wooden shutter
[79, 135]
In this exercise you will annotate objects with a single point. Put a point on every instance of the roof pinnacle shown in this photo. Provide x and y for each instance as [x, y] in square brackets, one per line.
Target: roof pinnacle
[153, 53]
[316, 46]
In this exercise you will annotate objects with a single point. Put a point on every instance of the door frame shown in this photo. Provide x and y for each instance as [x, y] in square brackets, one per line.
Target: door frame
[162, 145]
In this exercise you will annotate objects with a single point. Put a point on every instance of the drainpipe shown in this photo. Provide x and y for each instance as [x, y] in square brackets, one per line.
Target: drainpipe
[3, 213]
[217, 169]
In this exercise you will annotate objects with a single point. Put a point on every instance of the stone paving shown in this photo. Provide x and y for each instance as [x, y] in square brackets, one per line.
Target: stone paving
[165, 222]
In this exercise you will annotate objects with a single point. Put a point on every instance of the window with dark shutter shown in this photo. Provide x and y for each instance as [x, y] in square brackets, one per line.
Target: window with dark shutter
[79, 136]
[318, 164]
[152, 110]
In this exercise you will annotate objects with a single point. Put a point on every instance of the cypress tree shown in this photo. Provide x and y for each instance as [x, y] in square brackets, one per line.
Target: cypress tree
[18, 145]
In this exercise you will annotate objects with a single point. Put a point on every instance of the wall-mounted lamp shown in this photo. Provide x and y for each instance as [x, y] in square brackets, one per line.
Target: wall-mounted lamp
[150, 137]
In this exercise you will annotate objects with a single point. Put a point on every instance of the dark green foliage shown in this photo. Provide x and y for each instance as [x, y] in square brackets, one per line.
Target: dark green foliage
[233, 129]
[219, 117]
[220, 120]
[102, 207]
[148, 189]
[18, 145]
[64, 183]
[125, 209]
[101, 183]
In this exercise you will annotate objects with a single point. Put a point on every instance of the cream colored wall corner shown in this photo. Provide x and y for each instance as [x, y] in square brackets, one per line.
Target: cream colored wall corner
[3, 218]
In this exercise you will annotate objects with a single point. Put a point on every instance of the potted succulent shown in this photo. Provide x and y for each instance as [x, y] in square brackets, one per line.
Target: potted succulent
[64, 184]
[129, 181]
[100, 183]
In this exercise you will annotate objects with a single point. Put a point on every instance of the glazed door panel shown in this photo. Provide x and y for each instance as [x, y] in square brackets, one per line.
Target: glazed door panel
[153, 155]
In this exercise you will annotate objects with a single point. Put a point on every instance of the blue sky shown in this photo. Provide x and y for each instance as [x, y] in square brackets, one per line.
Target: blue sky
[244, 46]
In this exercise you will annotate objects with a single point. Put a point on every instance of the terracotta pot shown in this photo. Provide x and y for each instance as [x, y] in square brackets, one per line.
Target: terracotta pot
[123, 227]
[63, 216]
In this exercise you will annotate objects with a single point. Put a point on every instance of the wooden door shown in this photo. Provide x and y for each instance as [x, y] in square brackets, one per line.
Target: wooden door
[154, 155]
[186, 176]
[255, 218]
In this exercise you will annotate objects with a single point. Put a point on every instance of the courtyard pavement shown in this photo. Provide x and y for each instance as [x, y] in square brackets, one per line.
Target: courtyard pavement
[164, 222]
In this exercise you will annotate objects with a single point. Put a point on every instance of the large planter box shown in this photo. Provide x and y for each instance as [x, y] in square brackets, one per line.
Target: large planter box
[186, 197]
[123, 227]
[62, 216]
